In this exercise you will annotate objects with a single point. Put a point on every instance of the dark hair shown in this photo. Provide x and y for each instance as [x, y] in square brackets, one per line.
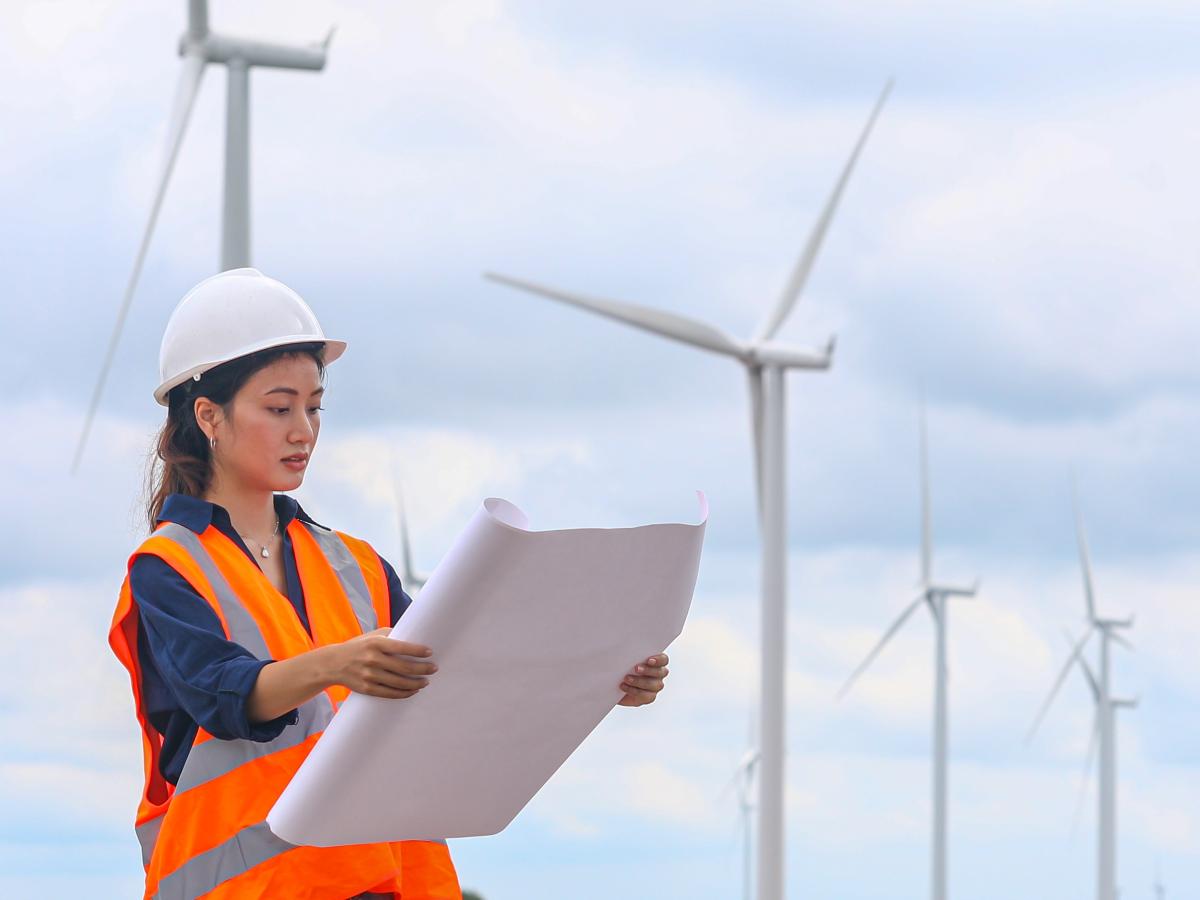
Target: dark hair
[184, 461]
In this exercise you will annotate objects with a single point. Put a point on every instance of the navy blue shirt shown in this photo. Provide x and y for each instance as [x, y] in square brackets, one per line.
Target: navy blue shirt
[192, 675]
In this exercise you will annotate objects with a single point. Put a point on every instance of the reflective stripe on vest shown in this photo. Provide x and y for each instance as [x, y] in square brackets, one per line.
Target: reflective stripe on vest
[203, 872]
[242, 627]
[147, 834]
[212, 759]
[349, 575]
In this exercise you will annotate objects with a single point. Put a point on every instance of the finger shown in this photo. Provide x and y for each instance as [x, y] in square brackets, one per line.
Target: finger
[400, 665]
[658, 659]
[652, 671]
[643, 683]
[394, 681]
[397, 647]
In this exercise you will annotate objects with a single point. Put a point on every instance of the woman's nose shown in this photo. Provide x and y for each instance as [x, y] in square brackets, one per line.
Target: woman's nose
[302, 430]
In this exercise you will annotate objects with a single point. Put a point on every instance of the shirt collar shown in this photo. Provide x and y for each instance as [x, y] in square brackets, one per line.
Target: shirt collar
[197, 514]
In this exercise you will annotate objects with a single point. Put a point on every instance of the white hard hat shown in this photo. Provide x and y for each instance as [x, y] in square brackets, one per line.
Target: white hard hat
[233, 314]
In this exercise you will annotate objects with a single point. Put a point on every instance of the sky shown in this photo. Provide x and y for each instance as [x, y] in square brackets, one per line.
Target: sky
[1017, 244]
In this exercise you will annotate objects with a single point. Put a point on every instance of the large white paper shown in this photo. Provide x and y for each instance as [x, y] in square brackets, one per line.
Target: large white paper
[532, 632]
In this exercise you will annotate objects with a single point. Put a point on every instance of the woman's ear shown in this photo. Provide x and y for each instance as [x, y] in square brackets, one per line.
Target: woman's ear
[206, 413]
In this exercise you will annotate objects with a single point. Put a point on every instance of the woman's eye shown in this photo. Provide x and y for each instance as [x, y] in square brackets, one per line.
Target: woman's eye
[278, 409]
[313, 409]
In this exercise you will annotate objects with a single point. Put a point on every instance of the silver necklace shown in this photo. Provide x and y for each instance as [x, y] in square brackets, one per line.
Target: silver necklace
[266, 554]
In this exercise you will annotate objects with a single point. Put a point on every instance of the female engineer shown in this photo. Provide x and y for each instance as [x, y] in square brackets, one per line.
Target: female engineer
[243, 622]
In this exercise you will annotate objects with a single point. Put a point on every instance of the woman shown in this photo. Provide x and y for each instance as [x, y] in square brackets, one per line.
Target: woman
[244, 623]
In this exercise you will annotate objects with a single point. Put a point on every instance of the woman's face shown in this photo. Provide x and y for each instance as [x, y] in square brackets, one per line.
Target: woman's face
[275, 415]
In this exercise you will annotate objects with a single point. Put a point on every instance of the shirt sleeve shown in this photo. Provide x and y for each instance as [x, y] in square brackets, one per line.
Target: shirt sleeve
[400, 601]
[208, 676]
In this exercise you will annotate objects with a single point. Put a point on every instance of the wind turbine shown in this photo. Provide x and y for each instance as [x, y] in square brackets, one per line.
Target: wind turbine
[745, 793]
[743, 780]
[409, 576]
[1104, 724]
[199, 45]
[934, 597]
[766, 361]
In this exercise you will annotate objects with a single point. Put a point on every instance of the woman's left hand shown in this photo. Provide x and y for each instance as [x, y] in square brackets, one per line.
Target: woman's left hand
[644, 681]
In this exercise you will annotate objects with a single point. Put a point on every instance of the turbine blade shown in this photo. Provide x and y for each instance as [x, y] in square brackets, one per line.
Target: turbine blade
[755, 381]
[795, 284]
[1093, 738]
[887, 636]
[742, 777]
[1058, 682]
[411, 578]
[926, 526]
[1124, 642]
[730, 784]
[185, 97]
[1092, 680]
[197, 19]
[676, 327]
[1085, 560]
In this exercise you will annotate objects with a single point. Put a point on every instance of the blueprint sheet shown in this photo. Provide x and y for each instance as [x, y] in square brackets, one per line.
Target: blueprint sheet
[532, 632]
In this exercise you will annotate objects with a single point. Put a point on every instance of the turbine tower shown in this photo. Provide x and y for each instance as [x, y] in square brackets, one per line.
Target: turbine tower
[934, 597]
[1104, 723]
[766, 361]
[199, 45]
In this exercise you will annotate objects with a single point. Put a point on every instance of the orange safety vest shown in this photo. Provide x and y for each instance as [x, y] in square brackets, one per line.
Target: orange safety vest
[207, 836]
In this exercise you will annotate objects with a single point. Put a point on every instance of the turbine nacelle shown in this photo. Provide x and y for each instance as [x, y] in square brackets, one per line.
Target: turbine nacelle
[218, 48]
[747, 763]
[772, 353]
[943, 590]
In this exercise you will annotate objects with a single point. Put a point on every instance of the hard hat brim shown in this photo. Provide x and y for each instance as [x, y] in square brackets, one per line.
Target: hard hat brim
[333, 350]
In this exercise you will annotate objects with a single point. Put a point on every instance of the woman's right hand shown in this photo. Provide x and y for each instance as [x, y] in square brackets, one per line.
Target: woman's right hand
[380, 666]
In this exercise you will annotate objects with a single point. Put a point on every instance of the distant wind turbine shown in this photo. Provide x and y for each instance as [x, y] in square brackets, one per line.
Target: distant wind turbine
[743, 780]
[410, 576]
[1104, 723]
[198, 46]
[934, 597]
[766, 361]
[745, 791]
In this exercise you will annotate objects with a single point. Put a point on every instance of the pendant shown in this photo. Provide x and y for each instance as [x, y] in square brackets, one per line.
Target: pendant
[265, 553]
